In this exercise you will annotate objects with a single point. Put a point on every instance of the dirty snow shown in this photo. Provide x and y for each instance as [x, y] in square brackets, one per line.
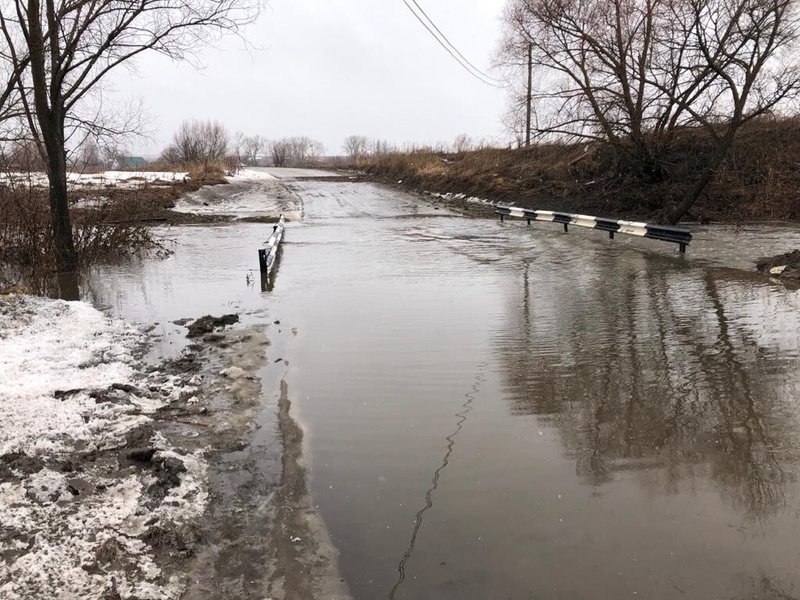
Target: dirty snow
[73, 519]
[104, 179]
[251, 193]
[449, 196]
[251, 174]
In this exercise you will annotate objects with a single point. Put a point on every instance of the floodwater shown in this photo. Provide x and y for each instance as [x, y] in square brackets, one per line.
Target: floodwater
[504, 411]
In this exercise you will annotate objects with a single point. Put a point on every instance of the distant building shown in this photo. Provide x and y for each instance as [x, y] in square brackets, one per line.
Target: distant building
[128, 163]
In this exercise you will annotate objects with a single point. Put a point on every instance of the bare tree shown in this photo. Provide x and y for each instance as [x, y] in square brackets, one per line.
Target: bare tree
[23, 155]
[280, 150]
[198, 143]
[381, 147]
[237, 147]
[631, 72]
[57, 52]
[298, 151]
[356, 147]
[304, 151]
[252, 148]
[738, 63]
[88, 155]
[590, 57]
[462, 143]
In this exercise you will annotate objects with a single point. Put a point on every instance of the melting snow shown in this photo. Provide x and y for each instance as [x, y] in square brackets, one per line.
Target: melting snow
[130, 179]
[57, 516]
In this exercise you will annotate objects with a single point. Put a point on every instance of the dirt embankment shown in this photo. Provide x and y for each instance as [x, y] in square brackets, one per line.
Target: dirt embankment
[758, 181]
[148, 204]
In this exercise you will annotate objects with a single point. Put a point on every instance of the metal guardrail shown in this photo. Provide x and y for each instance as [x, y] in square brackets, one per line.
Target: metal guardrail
[266, 255]
[665, 233]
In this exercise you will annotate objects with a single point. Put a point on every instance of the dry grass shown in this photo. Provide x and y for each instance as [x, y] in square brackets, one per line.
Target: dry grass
[208, 173]
[112, 230]
[758, 181]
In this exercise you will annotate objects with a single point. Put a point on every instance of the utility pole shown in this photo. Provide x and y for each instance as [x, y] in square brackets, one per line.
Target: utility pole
[528, 98]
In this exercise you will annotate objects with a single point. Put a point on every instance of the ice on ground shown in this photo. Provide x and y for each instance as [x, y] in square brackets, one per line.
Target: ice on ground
[252, 174]
[75, 515]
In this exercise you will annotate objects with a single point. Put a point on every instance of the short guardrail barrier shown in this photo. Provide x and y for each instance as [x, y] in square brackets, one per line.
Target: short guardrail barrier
[267, 254]
[665, 233]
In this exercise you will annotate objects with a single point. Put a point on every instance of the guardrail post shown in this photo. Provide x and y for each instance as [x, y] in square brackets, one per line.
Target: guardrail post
[502, 217]
[611, 235]
[566, 227]
[683, 248]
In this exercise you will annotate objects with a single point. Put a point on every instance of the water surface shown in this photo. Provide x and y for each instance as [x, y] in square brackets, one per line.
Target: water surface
[502, 411]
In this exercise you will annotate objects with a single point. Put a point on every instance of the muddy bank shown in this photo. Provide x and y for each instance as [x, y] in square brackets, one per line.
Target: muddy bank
[757, 182]
[260, 534]
[251, 196]
[149, 204]
[784, 266]
[121, 479]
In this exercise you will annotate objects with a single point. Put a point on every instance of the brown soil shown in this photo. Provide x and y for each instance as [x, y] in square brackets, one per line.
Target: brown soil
[758, 181]
[150, 205]
[208, 323]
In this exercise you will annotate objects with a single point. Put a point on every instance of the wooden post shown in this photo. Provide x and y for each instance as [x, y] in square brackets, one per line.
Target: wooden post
[529, 96]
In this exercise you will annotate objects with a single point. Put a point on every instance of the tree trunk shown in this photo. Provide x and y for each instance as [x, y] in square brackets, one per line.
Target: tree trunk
[65, 254]
[50, 116]
[707, 174]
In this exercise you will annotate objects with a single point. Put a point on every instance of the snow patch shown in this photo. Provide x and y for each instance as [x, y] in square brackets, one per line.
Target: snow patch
[250, 175]
[75, 513]
[53, 345]
[119, 179]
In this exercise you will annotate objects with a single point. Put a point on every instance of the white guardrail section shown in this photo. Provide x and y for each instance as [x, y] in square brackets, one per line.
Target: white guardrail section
[266, 255]
[665, 233]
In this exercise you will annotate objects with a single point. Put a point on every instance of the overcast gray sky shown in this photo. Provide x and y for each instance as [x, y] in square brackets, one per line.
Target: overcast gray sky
[331, 68]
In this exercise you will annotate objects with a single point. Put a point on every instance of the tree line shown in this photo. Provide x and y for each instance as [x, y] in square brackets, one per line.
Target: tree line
[634, 73]
[209, 142]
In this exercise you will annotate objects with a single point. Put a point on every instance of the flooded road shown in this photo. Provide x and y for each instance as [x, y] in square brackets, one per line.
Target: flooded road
[503, 411]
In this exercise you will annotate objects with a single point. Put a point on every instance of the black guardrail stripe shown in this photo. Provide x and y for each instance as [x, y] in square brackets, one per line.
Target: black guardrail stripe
[666, 233]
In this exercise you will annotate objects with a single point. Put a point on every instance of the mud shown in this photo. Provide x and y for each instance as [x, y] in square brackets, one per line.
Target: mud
[258, 537]
[786, 266]
[207, 324]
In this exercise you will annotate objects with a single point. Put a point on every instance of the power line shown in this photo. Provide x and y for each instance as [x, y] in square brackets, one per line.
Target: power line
[449, 47]
[445, 43]
[449, 43]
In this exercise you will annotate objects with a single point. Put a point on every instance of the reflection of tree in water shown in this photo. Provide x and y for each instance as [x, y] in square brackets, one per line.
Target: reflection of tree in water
[641, 369]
